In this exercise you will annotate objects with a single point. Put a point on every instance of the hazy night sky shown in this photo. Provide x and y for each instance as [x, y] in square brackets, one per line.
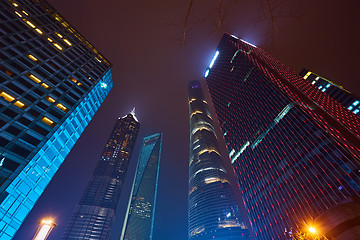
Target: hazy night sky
[151, 70]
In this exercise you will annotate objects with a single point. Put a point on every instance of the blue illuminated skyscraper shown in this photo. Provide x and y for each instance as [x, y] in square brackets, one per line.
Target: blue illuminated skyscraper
[140, 215]
[295, 149]
[52, 81]
[213, 211]
[93, 216]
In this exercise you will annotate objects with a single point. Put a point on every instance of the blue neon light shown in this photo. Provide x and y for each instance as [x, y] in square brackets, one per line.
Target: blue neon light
[206, 72]
[248, 43]
[214, 58]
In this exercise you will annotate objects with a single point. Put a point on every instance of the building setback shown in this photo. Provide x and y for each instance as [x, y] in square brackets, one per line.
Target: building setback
[52, 81]
[140, 215]
[93, 216]
[350, 101]
[295, 150]
[213, 211]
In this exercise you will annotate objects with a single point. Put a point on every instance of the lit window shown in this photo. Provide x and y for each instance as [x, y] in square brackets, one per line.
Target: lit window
[73, 79]
[39, 31]
[7, 97]
[35, 79]
[49, 39]
[15, 4]
[57, 46]
[50, 99]
[20, 104]
[62, 107]
[32, 58]
[59, 35]
[313, 82]
[29, 23]
[44, 85]
[356, 102]
[356, 111]
[328, 85]
[47, 121]
[79, 84]
[97, 59]
[67, 42]
[17, 13]
[350, 107]
[25, 13]
[307, 75]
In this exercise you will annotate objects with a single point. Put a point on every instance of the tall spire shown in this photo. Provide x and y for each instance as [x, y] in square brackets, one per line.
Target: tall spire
[133, 113]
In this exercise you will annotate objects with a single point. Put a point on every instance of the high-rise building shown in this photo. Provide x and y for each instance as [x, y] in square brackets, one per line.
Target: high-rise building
[349, 100]
[94, 214]
[140, 215]
[295, 150]
[46, 226]
[52, 81]
[213, 211]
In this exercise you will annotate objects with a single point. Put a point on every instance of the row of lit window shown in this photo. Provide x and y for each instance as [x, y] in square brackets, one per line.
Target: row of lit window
[355, 107]
[21, 105]
[78, 36]
[32, 25]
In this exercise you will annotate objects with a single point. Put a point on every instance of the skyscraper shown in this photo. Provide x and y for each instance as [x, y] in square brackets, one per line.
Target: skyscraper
[140, 215]
[93, 216]
[350, 101]
[213, 211]
[294, 149]
[52, 81]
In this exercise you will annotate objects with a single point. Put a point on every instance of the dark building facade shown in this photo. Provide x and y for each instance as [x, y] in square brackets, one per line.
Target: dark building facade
[295, 150]
[213, 211]
[140, 215]
[52, 81]
[349, 100]
[93, 216]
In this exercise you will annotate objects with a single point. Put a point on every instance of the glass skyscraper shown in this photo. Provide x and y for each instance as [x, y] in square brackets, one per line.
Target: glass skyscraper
[295, 150]
[213, 211]
[93, 216]
[140, 215]
[52, 81]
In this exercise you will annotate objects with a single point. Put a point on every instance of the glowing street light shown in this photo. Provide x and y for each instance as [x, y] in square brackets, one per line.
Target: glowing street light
[312, 230]
[46, 225]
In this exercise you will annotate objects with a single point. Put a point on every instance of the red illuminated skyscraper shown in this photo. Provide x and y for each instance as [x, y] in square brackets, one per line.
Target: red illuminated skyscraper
[295, 150]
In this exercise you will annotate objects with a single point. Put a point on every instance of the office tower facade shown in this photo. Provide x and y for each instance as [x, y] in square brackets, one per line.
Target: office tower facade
[52, 81]
[140, 215]
[294, 149]
[46, 226]
[93, 216]
[213, 211]
[349, 100]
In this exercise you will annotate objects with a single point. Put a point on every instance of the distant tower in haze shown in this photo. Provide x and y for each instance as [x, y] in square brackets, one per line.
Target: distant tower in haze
[295, 150]
[52, 82]
[46, 226]
[94, 214]
[213, 211]
[140, 216]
